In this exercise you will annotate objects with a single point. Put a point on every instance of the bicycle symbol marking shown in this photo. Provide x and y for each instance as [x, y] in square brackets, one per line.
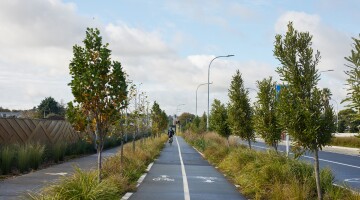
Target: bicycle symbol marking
[163, 178]
[207, 179]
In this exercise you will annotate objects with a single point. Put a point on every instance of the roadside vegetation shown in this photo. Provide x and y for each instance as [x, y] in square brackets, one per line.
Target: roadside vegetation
[353, 142]
[18, 159]
[117, 178]
[266, 175]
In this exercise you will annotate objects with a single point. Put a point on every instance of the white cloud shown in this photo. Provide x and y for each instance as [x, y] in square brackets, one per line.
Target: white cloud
[333, 45]
[128, 41]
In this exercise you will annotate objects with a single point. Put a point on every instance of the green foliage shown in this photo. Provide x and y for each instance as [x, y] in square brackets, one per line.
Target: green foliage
[159, 119]
[265, 113]
[348, 121]
[98, 85]
[219, 119]
[29, 156]
[353, 142]
[76, 116]
[50, 105]
[7, 158]
[304, 109]
[239, 109]
[4, 109]
[118, 179]
[266, 175]
[353, 80]
[185, 117]
[202, 123]
[82, 185]
[305, 113]
[57, 151]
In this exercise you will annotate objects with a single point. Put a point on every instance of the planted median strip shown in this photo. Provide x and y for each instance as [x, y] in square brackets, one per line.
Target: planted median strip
[265, 175]
[117, 178]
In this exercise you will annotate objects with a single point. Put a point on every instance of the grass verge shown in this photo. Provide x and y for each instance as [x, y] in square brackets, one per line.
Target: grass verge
[266, 175]
[346, 142]
[117, 178]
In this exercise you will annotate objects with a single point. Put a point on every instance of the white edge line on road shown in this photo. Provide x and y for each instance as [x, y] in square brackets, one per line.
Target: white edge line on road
[339, 163]
[355, 192]
[185, 182]
[334, 162]
[127, 196]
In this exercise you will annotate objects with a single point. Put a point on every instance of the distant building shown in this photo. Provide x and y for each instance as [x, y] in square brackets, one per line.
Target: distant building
[10, 114]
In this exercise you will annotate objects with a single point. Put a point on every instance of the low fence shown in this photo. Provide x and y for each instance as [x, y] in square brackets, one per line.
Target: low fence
[21, 131]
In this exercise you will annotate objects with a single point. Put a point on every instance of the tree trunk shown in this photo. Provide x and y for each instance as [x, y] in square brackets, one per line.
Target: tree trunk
[317, 174]
[134, 142]
[98, 149]
[228, 142]
[275, 145]
[249, 141]
[122, 151]
[99, 163]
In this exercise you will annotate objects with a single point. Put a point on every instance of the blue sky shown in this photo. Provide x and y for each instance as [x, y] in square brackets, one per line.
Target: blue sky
[166, 45]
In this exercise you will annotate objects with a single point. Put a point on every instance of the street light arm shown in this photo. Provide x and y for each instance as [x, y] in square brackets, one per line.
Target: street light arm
[208, 109]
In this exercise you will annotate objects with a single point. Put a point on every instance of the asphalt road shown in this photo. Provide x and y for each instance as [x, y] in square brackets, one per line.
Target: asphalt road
[184, 175]
[346, 168]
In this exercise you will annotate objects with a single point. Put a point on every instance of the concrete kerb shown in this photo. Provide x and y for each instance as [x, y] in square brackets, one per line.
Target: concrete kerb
[140, 180]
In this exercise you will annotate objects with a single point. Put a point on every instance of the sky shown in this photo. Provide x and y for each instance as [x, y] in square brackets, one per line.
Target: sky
[166, 46]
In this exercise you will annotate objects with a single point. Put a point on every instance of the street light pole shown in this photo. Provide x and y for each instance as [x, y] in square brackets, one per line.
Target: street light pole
[208, 109]
[196, 95]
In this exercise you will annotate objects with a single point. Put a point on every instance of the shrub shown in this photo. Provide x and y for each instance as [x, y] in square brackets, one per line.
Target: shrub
[57, 152]
[346, 142]
[29, 156]
[81, 185]
[22, 158]
[267, 175]
[117, 178]
[7, 158]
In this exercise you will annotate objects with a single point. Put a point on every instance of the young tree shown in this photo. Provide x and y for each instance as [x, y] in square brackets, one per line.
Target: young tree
[348, 121]
[98, 85]
[265, 119]
[239, 110]
[158, 119]
[202, 123]
[164, 122]
[219, 119]
[353, 80]
[305, 114]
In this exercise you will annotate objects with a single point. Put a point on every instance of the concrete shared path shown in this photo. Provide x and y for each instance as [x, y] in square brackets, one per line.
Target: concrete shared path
[17, 187]
[181, 173]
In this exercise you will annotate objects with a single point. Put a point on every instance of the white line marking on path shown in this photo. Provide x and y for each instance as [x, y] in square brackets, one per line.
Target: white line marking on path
[149, 166]
[334, 162]
[185, 182]
[127, 196]
[163, 178]
[57, 174]
[141, 179]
